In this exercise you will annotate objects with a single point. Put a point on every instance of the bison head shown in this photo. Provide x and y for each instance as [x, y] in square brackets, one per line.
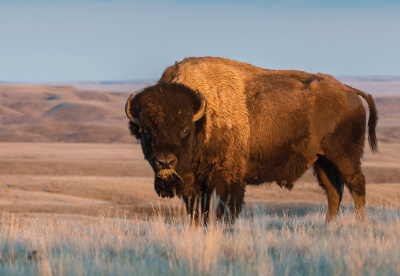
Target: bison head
[167, 118]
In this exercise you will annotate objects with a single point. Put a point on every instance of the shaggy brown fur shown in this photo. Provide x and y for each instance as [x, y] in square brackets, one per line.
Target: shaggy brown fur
[259, 126]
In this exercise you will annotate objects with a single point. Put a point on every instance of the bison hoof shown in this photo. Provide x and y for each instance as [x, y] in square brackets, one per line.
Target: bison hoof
[284, 183]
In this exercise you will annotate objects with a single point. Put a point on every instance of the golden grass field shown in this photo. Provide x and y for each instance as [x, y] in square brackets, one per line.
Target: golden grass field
[74, 188]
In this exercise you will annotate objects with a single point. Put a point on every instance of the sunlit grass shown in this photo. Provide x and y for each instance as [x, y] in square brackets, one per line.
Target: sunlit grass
[256, 244]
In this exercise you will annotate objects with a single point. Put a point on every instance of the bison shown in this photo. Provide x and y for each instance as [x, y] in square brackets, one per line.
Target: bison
[216, 125]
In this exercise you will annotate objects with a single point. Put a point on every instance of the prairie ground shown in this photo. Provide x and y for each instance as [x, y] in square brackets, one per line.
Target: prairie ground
[88, 179]
[89, 207]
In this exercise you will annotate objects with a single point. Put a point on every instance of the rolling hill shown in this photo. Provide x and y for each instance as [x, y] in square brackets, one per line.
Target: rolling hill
[65, 114]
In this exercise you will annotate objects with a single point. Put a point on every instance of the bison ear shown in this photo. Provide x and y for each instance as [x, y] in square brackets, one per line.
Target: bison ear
[135, 130]
[128, 110]
[203, 106]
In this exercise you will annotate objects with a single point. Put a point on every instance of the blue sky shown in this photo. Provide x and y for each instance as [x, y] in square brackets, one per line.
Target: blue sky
[88, 40]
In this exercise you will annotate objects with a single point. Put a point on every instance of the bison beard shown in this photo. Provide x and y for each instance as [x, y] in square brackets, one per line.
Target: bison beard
[213, 125]
[166, 182]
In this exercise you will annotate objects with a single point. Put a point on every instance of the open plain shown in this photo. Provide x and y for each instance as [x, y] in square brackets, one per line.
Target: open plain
[87, 179]
[77, 197]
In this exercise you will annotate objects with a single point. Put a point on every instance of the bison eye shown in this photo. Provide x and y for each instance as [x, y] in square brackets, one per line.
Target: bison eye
[147, 135]
[184, 132]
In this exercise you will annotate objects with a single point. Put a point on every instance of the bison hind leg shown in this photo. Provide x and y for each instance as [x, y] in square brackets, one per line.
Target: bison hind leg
[350, 172]
[355, 181]
[329, 179]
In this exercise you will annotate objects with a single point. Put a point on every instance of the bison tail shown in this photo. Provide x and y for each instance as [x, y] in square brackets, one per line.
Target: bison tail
[372, 121]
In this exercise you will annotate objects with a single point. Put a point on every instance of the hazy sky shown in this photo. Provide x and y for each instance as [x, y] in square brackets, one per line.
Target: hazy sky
[79, 40]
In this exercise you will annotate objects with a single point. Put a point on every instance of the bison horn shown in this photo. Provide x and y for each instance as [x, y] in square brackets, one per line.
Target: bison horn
[128, 110]
[202, 109]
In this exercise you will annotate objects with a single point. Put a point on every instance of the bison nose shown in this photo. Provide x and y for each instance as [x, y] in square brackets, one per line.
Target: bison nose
[166, 161]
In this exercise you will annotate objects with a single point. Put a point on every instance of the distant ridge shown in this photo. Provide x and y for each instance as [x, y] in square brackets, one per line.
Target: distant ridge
[375, 85]
[369, 78]
[64, 114]
[103, 82]
[140, 81]
[112, 86]
[101, 85]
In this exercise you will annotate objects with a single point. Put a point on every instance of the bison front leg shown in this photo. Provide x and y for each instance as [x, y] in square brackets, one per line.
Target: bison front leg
[194, 209]
[198, 208]
[225, 200]
[219, 199]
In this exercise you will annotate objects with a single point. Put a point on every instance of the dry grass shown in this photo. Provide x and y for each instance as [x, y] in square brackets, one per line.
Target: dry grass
[257, 244]
[167, 173]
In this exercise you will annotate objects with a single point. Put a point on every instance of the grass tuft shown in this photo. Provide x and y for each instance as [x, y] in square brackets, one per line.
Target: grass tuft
[167, 173]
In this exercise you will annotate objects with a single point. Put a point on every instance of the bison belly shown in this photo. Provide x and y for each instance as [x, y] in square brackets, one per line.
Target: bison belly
[283, 144]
